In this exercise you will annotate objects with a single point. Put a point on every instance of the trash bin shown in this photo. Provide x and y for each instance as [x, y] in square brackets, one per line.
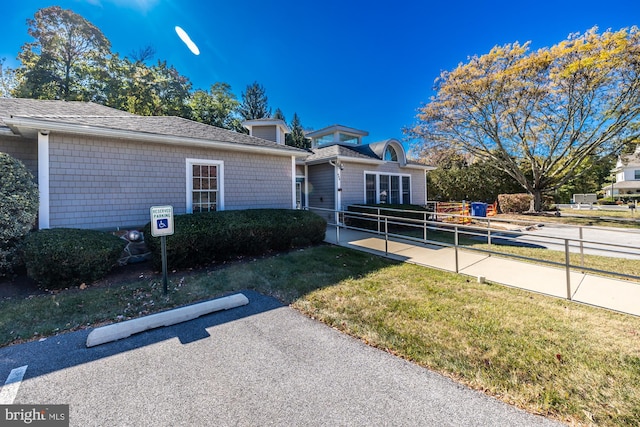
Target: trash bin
[478, 209]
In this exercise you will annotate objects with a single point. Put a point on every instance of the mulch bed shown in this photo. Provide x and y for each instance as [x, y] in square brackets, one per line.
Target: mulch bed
[21, 286]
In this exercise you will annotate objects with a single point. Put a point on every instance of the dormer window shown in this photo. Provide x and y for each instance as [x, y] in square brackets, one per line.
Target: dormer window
[349, 139]
[390, 154]
[336, 134]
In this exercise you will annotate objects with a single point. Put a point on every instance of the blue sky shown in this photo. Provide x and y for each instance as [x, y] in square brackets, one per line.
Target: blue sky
[363, 64]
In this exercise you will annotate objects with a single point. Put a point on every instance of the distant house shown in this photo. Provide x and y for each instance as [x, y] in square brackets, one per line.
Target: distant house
[102, 168]
[627, 176]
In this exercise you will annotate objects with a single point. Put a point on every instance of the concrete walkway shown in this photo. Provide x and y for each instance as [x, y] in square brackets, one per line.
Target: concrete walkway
[613, 294]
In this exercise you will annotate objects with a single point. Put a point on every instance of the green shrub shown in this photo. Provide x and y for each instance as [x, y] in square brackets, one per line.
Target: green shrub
[18, 209]
[201, 238]
[63, 257]
[606, 201]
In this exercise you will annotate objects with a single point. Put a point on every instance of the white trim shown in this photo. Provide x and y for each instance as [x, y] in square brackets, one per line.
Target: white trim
[426, 194]
[346, 159]
[377, 175]
[293, 182]
[43, 180]
[189, 184]
[306, 185]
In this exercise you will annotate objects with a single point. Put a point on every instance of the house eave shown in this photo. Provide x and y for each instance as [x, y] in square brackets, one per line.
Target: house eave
[347, 159]
[8, 132]
[30, 127]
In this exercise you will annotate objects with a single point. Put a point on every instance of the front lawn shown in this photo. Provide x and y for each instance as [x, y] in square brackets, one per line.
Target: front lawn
[571, 362]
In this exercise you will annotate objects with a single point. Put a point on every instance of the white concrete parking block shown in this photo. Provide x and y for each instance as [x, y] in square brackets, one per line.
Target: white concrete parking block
[121, 330]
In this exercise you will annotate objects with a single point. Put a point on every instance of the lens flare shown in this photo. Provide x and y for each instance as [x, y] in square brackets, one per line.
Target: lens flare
[187, 40]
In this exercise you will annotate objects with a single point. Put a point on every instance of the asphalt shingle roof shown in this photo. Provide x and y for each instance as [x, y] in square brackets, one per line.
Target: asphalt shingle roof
[361, 152]
[95, 115]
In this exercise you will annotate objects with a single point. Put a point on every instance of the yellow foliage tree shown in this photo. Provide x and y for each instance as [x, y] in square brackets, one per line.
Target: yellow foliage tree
[540, 116]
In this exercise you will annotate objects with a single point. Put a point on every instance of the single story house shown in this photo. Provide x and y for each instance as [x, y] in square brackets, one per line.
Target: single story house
[627, 176]
[101, 168]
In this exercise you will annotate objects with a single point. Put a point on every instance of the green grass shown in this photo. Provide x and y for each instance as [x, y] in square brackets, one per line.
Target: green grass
[571, 362]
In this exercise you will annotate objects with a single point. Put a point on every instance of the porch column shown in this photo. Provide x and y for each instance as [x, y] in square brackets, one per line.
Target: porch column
[43, 179]
[293, 182]
[306, 185]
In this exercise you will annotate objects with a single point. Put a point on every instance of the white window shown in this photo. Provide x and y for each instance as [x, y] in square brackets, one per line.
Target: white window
[390, 154]
[370, 189]
[205, 179]
[387, 188]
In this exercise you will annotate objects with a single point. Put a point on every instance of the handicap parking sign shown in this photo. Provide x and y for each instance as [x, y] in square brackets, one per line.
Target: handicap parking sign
[161, 221]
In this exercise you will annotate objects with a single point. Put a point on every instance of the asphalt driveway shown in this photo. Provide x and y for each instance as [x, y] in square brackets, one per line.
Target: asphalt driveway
[260, 364]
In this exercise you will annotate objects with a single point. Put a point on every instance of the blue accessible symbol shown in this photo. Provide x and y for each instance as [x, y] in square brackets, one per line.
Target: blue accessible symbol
[162, 223]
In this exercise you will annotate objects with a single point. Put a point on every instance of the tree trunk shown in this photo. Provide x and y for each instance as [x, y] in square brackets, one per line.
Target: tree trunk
[536, 202]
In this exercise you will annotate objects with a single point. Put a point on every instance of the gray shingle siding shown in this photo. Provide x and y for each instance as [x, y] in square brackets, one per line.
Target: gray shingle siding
[322, 188]
[265, 132]
[130, 177]
[24, 150]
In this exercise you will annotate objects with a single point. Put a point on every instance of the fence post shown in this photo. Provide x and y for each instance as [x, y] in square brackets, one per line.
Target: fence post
[489, 231]
[581, 249]
[378, 210]
[567, 262]
[455, 245]
[424, 223]
[337, 234]
[386, 236]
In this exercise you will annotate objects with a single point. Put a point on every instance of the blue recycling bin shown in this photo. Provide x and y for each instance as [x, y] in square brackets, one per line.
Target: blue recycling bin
[478, 209]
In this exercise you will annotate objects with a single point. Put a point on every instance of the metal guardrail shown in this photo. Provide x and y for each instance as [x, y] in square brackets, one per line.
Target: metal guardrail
[482, 228]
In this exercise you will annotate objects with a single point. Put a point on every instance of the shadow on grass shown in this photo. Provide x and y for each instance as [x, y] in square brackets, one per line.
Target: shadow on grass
[269, 283]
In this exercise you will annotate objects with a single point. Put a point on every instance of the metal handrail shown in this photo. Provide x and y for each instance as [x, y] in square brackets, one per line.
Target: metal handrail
[473, 230]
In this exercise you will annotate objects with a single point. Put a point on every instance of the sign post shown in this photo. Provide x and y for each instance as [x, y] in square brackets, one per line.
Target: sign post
[162, 226]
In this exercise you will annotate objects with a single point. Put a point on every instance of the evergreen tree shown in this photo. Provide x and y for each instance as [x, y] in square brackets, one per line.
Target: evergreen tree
[255, 104]
[279, 115]
[296, 138]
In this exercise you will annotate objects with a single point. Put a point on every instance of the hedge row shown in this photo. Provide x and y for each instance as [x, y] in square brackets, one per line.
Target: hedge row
[64, 257]
[202, 238]
[514, 203]
[521, 202]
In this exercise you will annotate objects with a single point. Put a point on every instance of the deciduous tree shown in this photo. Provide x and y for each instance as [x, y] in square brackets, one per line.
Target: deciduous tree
[216, 107]
[158, 90]
[67, 55]
[540, 116]
[7, 80]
